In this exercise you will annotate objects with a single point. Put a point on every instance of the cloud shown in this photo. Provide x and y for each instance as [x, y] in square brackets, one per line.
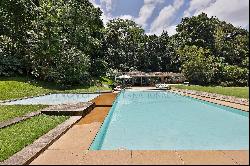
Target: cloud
[233, 11]
[106, 7]
[128, 17]
[94, 3]
[107, 4]
[146, 11]
[171, 30]
[166, 18]
[196, 5]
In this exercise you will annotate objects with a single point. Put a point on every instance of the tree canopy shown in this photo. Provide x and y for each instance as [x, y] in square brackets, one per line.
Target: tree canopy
[67, 43]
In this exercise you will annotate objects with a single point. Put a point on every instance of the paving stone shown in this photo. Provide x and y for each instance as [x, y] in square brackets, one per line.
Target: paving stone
[79, 137]
[220, 102]
[205, 158]
[155, 158]
[229, 99]
[98, 114]
[240, 156]
[104, 100]
[103, 157]
[60, 157]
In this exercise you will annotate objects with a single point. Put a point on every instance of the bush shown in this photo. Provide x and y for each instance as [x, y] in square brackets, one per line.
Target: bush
[198, 65]
[10, 64]
[70, 66]
[234, 76]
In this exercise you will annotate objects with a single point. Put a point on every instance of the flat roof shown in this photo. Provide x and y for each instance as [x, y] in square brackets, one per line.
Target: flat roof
[152, 74]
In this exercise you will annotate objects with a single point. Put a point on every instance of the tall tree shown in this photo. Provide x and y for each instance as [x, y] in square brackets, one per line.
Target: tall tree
[198, 30]
[65, 40]
[15, 20]
[123, 40]
[227, 44]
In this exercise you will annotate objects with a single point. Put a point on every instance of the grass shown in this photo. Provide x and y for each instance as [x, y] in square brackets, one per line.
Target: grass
[18, 87]
[12, 111]
[241, 92]
[17, 136]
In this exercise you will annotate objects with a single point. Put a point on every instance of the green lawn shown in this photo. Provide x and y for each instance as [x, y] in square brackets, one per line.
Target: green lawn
[17, 136]
[18, 87]
[12, 111]
[241, 92]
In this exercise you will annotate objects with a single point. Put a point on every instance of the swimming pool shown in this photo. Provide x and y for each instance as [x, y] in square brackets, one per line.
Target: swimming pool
[168, 121]
[54, 99]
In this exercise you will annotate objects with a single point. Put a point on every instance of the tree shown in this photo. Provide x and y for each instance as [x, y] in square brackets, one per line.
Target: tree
[197, 65]
[129, 48]
[227, 46]
[234, 76]
[65, 41]
[15, 20]
[198, 30]
[123, 40]
[232, 44]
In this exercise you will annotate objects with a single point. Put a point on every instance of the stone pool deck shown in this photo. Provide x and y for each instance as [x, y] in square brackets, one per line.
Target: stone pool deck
[84, 157]
[216, 101]
[72, 147]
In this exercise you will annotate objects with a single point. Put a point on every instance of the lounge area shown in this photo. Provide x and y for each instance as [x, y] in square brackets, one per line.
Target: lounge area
[138, 78]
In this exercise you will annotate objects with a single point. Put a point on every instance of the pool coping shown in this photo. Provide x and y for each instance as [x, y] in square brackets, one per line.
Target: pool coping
[213, 96]
[216, 101]
[108, 114]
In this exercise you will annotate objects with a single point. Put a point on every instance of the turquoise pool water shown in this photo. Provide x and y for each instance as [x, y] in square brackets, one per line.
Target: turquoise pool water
[54, 99]
[167, 121]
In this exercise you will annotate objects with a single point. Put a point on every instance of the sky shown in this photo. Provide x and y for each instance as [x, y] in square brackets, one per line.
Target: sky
[158, 15]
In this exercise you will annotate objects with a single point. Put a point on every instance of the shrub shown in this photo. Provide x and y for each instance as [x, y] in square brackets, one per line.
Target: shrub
[10, 64]
[234, 76]
[67, 67]
[198, 65]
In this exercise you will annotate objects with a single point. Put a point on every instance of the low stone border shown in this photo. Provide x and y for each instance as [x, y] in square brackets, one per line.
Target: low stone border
[206, 99]
[230, 99]
[18, 119]
[30, 152]
[78, 109]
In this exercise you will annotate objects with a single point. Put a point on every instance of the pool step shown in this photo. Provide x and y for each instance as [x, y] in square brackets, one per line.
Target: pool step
[79, 109]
